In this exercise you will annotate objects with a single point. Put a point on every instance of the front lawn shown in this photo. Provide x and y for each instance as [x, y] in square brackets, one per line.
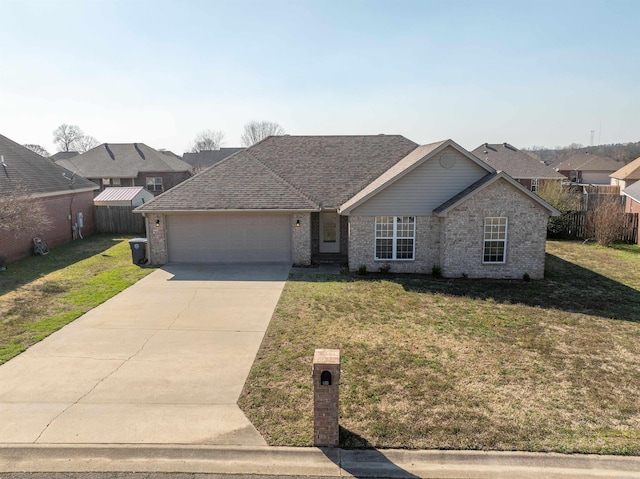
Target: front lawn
[550, 365]
[40, 294]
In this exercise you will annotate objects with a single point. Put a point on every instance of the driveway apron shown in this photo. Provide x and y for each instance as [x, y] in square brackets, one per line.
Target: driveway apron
[162, 362]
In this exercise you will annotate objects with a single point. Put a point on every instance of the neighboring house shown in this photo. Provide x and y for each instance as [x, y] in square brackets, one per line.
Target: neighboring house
[627, 175]
[123, 196]
[632, 202]
[64, 155]
[204, 159]
[525, 169]
[370, 201]
[129, 164]
[62, 195]
[588, 168]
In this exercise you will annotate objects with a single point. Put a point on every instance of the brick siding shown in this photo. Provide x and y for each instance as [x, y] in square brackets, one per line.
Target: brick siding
[362, 246]
[463, 231]
[58, 231]
[301, 240]
[455, 243]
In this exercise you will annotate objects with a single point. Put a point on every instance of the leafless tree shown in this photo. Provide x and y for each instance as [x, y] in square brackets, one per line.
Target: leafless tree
[38, 149]
[255, 131]
[207, 140]
[605, 222]
[66, 136]
[85, 143]
[20, 211]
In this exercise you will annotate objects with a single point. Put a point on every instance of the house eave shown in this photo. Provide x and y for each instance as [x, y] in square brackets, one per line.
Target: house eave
[237, 210]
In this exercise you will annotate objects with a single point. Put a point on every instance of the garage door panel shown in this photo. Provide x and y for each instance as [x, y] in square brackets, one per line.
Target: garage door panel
[229, 238]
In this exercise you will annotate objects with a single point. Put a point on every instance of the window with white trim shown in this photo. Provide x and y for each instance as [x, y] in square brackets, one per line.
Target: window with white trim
[495, 239]
[154, 183]
[395, 237]
[534, 184]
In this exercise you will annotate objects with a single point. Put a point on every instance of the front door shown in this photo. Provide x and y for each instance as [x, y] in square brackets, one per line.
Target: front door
[329, 233]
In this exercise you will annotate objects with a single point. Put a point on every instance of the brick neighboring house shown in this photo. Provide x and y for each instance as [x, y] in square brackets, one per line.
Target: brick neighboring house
[62, 195]
[129, 164]
[204, 159]
[379, 201]
[522, 167]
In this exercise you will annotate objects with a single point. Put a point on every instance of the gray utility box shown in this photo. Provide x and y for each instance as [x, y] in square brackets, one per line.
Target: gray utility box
[138, 250]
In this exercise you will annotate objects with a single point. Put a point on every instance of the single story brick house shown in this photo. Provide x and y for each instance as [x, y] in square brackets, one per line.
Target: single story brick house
[129, 164]
[378, 201]
[62, 195]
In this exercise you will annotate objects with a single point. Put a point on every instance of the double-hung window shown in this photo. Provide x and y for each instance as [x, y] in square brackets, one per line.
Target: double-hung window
[495, 239]
[534, 184]
[154, 183]
[395, 237]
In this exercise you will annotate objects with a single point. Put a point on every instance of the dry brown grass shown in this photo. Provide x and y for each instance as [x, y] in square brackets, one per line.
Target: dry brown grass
[552, 365]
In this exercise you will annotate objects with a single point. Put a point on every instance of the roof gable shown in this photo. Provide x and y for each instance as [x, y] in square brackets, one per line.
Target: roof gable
[37, 174]
[486, 181]
[631, 171]
[514, 162]
[405, 166]
[123, 160]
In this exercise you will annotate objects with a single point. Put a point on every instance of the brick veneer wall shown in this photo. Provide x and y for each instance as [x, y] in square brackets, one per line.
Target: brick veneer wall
[326, 398]
[463, 229]
[58, 231]
[301, 239]
[362, 246]
[169, 180]
[157, 238]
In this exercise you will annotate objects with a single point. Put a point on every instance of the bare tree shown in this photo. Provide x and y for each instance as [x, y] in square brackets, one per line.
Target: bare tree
[20, 212]
[38, 149]
[256, 131]
[66, 136]
[207, 140]
[605, 222]
[85, 143]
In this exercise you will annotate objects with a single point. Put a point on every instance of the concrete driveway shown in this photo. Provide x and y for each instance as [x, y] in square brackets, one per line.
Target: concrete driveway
[163, 362]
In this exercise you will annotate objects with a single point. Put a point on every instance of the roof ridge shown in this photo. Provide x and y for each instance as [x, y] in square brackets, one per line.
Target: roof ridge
[270, 170]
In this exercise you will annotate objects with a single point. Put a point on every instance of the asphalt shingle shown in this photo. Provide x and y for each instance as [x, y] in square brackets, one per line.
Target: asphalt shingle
[36, 174]
[515, 163]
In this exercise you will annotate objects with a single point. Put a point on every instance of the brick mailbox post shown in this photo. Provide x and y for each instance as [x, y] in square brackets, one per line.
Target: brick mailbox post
[326, 379]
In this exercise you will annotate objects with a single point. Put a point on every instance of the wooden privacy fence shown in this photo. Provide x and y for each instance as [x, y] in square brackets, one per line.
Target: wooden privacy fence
[572, 225]
[118, 219]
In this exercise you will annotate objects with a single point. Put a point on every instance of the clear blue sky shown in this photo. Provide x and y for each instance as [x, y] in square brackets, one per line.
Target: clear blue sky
[158, 72]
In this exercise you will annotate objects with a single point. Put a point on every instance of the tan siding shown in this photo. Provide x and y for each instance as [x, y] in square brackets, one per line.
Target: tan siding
[424, 188]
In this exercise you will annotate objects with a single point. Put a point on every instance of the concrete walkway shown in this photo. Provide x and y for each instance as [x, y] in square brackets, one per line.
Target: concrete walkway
[163, 362]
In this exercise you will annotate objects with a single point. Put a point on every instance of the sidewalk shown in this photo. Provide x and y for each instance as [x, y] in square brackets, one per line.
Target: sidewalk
[288, 461]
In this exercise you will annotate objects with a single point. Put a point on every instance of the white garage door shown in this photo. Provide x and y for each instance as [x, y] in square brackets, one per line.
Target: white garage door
[229, 238]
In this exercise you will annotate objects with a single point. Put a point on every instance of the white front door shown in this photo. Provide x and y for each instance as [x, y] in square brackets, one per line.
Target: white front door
[329, 233]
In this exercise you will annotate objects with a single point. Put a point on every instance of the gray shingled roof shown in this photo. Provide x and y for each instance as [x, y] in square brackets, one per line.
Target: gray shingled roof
[289, 172]
[633, 191]
[64, 155]
[589, 162]
[122, 160]
[517, 164]
[37, 174]
[207, 158]
[239, 182]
